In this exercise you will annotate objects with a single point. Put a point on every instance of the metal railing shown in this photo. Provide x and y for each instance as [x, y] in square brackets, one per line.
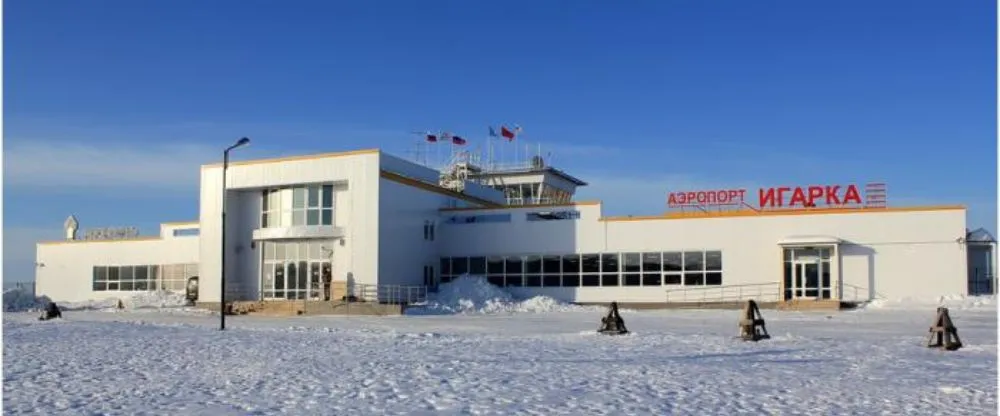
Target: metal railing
[760, 292]
[855, 293]
[391, 294]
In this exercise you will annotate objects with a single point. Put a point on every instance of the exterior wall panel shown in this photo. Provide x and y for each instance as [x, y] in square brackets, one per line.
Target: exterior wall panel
[65, 271]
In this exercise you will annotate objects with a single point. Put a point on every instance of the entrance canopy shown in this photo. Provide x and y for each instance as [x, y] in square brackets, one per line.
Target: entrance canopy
[810, 240]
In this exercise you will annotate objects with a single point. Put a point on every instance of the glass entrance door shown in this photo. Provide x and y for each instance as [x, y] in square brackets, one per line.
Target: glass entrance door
[294, 270]
[806, 283]
[807, 273]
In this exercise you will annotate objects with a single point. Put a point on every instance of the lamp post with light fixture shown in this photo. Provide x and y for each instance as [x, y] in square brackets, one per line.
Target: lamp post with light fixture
[222, 275]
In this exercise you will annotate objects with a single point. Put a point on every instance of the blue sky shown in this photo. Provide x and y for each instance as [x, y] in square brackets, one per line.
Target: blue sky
[111, 106]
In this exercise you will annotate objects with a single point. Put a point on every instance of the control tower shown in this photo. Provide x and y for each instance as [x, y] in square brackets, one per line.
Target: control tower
[530, 182]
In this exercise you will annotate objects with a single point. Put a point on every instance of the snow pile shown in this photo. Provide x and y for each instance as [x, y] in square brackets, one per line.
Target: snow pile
[18, 300]
[475, 295]
[950, 302]
[139, 300]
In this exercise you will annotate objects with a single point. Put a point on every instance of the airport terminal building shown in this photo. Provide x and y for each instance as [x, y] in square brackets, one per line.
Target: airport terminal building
[383, 227]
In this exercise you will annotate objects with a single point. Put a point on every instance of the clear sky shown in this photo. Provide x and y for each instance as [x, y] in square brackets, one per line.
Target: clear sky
[110, 106]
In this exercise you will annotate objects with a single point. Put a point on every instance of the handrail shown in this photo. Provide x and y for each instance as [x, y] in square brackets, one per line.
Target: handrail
[761, 292]
[391, 294]
[855, 293]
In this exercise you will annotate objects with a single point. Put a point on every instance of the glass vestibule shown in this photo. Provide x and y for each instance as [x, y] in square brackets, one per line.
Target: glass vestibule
[807, 273]
[296, 269]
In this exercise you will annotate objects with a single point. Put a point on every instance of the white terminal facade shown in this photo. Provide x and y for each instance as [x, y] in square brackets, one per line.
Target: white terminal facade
[379, 221]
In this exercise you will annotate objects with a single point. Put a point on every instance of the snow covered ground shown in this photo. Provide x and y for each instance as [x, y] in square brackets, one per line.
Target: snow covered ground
[499, 357]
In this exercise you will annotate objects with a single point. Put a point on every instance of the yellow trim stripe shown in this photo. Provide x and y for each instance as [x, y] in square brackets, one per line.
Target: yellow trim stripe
[125, 240]
[176, 223]
[294, 158]
[395, 177]
[767, 213]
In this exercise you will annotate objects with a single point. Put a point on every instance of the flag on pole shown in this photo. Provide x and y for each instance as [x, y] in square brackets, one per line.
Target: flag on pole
[508, 133]
[493, 132]
[432, 138]
[457, 140]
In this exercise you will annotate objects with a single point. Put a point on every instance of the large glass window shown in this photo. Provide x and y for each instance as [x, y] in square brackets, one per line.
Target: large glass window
[592, 270]
[295, 269]
[692, 268]
[139, 278]
[310, 205]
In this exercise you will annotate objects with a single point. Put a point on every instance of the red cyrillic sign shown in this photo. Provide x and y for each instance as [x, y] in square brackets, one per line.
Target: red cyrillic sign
[775, 197]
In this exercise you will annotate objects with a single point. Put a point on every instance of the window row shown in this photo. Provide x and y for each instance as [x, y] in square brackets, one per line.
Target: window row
[506, 217]
[142, 277]
[677, 262]
[293, 250]
[605, 280]
[297, 206]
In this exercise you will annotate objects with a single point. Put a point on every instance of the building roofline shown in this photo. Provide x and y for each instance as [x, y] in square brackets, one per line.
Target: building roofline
[172, 223]
[432, 187]
[294, 158]
[555, 171]
[123, 240]
[787, 212]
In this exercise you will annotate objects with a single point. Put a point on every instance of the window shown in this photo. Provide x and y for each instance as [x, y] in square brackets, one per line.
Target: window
[174, 276]
[494, 270]
[477, 266]
[186, 232]
[552, 215]
[477, 219]
[591, 263]
[609, 269]
[130, 278]
[591, 270]
[429, 230]
[692, 268]
[310, 205]
[297, 270]
[651, 269]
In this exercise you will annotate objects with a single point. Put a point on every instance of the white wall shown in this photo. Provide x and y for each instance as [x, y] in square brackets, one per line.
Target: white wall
[356, 207]
[66, 269]
[403, 251]
[896, 254]
[523, 237]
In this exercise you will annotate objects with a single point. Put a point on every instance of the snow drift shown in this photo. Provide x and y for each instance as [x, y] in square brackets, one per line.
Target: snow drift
[951, 302]
[475, 295]
[19, 300]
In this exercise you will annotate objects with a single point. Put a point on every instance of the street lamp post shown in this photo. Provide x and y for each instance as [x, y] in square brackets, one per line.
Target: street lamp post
[222, 272]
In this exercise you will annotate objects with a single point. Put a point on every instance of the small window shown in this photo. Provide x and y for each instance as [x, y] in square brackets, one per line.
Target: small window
[591, 263]
[533, 264]
[633, 262]
[571, 263]
[552, 215]
[713, 260]
[609, 263]
[673, 262]
[477, 266]
[478, 219]
[694, 260]
[446, 265]
[514, 265]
